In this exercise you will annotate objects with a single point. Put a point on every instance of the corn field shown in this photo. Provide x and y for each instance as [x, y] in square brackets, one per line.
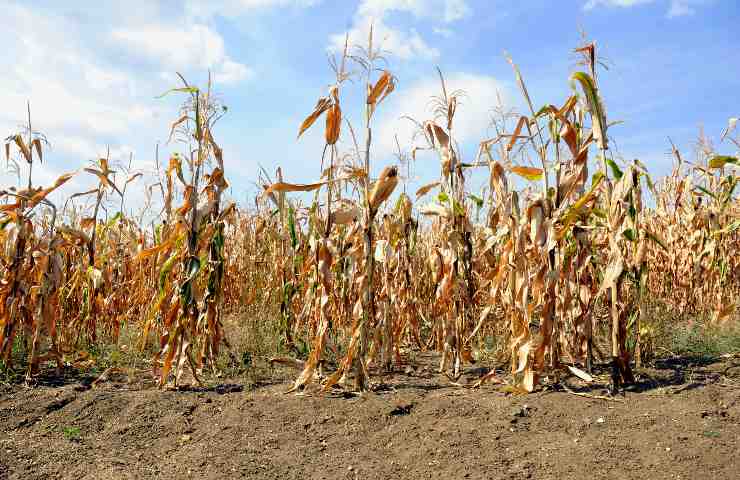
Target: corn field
[551, 266]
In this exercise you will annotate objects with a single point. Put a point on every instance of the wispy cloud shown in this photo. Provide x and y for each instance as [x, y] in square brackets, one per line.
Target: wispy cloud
[481, 95]
[200, 9]
[84, 94]
[591, 4]
[89, 85]
[194, 46]
[404, 43]
[444, 32]
[676, 8]
[680, 8]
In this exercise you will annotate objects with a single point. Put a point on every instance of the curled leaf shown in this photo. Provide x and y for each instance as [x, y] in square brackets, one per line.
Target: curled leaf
[321, 106]
[426, 188]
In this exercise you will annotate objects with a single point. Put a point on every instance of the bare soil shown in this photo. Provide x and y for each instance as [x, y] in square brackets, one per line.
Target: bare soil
[682, 420]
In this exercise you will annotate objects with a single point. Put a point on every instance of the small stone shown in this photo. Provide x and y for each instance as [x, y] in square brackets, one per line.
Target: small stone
[185, 438]
[667, 449]
[600, 420]
[350, 468]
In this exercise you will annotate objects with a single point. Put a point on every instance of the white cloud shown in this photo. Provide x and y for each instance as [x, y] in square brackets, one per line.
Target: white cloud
[676, 8]
[680, 8]
[194, 46]
[232, 72]
[82, 94]
[200, 9]
[443, 32]
[456, 10]
[445, 10]
[614, 3]
[403, 43]
[470, 122]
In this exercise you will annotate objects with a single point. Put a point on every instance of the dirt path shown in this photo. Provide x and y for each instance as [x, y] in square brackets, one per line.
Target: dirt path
[685, 423]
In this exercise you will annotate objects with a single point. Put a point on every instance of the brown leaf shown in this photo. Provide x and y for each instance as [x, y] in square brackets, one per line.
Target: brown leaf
[292, 187]
[723, 314]
[498, 182]
[437, 134]
[530, 173]
[345, 215]
[74, 233]
[321, 106]
[176, 165]
[333, 124]
[381, 89]
[436, 209]
[613, 271]
[426, 188]
[175, 124]
[43, 193]
[37, 144]
[134, 177]
[87, 222]
[568, 133]
[517, 130]
[23, 148]
[568, 106]
[383, 187]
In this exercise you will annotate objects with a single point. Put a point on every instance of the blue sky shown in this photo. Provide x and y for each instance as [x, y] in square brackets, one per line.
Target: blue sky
[91, 72]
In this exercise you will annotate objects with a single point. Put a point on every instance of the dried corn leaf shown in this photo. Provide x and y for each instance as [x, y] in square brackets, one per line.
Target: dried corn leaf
[321, 106]
[382, 88]
[333, 124]
[383, 188]
[530, 173]
[426, 188]
[581, 374]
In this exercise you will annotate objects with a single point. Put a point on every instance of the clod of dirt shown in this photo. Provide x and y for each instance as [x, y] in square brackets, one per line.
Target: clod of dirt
[403, 409]
[229, 388]
[59, 404]
[521, 412]
[478, 371]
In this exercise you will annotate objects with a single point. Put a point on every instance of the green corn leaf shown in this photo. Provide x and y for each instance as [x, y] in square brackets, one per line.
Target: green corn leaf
[719, 161]
[704, 190]
[598, 119]
[118, 216]
[166, 269]
[729, 228]
[727, 196]
[190, 90]
[616, 171]
[657, 240]
[477, 200]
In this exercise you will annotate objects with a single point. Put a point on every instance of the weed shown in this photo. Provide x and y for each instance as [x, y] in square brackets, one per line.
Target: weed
[73, 434]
